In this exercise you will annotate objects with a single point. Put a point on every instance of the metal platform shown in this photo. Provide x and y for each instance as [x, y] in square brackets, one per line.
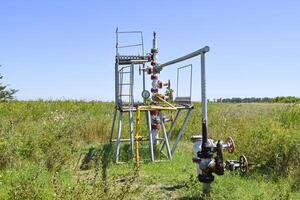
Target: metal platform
[129, 60]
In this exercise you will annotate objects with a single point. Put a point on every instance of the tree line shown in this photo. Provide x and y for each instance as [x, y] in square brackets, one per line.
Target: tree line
[279, 99]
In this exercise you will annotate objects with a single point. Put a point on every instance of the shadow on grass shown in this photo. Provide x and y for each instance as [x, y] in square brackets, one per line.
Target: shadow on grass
[175, 187]
[195, 198]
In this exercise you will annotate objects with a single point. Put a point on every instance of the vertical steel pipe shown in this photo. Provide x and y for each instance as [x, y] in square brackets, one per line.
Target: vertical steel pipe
[171, 128]
[181, 130]
[165, 135]
[131, 132]
[113, 126]
[203, 103]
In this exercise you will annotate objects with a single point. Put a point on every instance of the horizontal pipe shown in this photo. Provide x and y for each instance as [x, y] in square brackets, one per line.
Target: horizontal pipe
[188, 56]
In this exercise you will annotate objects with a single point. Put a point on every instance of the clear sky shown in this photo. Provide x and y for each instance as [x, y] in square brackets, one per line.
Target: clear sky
[65, 48]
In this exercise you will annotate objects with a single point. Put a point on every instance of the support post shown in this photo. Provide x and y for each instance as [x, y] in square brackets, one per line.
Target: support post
[171, 128]
[131, 132]
[113, 126]
[117, 84]
[150, 136]
[119, 136]
[181, 131]
[165, 135]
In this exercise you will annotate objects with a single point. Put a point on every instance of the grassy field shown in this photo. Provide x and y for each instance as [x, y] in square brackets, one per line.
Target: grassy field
[59, 150]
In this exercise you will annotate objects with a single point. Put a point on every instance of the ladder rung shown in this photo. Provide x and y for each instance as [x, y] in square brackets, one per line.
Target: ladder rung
[125, 84]
[133, 45]
[124, 95]
[125, 72]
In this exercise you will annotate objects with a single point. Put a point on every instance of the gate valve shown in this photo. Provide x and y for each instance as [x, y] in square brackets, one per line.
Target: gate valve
[149, 70]
[153, 63]
[154, 77]
[242, 164]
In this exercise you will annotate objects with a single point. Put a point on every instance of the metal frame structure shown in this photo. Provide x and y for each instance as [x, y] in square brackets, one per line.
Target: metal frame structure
[126, 64]
[208, 153]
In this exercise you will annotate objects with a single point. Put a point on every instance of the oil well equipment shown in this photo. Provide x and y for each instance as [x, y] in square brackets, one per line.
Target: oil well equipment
[208, 153]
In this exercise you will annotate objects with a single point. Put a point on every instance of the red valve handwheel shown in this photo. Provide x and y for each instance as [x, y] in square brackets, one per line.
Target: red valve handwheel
[243, 164]
[230, 145]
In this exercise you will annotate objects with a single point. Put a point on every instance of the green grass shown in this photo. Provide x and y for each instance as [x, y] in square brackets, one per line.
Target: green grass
[44, 153]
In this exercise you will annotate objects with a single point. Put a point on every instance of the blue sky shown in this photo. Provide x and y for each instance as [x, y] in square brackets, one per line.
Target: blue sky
[65, 49]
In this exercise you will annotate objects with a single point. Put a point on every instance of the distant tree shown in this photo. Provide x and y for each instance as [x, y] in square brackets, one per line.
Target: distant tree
[288, 99]
[6, 93]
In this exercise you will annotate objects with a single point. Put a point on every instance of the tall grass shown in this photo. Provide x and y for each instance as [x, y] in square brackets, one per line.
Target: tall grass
[44, 144]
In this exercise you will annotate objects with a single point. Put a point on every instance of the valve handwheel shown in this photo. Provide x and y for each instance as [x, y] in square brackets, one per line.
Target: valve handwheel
[230, 145]
[243, 164]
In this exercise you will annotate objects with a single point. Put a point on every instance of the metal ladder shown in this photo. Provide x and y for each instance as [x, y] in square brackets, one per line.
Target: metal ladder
[124, 80]
[126, 71]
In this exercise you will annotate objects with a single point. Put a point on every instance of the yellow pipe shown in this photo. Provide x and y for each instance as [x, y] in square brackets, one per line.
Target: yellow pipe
[164, 101]
[153, 107]
[137, 130]
[136, 141]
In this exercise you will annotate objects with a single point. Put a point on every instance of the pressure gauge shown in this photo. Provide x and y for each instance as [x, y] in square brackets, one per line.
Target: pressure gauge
[145, 94]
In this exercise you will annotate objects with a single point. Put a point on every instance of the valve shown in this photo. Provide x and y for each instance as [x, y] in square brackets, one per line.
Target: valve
[161, 84]
[149, 70]
[244, 165]
[230, 145]
[154, 77]
[214, 163]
